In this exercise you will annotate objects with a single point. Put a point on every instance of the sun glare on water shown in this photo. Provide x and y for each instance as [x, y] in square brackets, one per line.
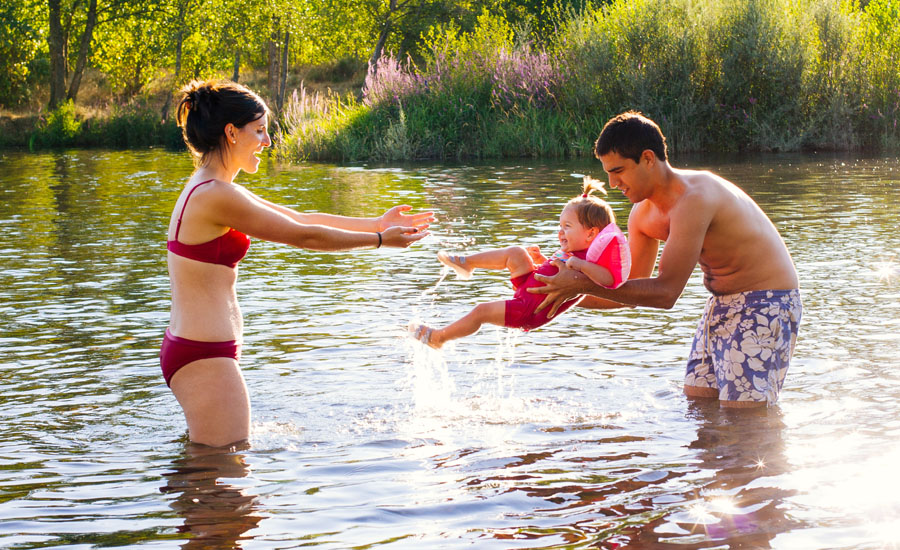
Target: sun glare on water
[886, 271]
[859, 493]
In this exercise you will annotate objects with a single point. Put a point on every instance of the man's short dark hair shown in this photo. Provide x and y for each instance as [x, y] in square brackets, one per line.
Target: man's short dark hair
[630, 134]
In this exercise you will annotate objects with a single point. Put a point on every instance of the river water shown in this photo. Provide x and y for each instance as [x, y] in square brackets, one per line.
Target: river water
[575, 435]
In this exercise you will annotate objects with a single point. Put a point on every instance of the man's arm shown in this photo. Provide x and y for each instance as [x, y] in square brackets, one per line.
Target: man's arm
[643, 249]
[688, 222]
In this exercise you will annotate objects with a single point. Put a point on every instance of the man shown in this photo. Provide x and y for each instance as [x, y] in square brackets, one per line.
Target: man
[746, 336]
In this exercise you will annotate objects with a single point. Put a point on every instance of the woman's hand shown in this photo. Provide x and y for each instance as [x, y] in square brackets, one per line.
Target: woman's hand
[400, 236]
[396, 216]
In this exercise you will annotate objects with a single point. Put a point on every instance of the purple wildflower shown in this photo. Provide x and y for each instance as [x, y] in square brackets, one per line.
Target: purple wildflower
[390, 81]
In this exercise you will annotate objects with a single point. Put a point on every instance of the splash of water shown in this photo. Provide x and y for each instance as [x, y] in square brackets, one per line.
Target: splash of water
[461, 395]
[451, 386]
[276, 434]
[433, 290]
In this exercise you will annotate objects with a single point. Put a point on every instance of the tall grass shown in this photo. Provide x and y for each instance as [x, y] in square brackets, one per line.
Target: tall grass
[718, 75]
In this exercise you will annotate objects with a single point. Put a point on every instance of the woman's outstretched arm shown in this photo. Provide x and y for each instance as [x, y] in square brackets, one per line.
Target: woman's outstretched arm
[394, 216]
[234, 206]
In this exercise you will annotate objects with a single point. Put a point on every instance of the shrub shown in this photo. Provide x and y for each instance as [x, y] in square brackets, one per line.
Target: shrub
[131, 125]
[832, 88]
[123, 126]
[881, 47]
[59, 129]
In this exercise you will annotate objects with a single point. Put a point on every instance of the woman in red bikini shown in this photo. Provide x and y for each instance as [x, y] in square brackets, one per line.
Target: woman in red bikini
[225, 126]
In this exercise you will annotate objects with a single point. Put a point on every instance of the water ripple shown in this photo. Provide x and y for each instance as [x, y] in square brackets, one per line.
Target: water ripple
[572, 436]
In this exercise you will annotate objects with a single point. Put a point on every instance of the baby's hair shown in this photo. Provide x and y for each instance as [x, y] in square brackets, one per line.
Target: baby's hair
[593, 211]
[206, 107]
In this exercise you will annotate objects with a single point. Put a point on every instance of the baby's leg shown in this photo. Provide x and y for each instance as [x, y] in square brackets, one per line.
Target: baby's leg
[489, 312]
[516, 259]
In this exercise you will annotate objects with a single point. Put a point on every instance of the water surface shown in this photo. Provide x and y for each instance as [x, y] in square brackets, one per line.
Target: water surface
[572, 436]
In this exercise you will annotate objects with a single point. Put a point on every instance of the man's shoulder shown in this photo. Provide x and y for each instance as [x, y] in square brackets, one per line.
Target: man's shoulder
[701, 180]
[703, 188]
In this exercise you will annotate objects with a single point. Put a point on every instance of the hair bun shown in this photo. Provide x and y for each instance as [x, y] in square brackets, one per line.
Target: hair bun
[201, 98]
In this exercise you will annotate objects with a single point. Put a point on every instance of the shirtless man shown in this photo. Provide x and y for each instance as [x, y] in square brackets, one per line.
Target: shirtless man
[746, 336]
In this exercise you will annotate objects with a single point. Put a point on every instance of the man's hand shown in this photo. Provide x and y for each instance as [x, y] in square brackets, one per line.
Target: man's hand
[560, 288]
[396, 216]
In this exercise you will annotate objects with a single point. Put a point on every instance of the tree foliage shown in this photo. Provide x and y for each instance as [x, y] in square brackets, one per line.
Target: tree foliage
[132, 42]
[22, 43]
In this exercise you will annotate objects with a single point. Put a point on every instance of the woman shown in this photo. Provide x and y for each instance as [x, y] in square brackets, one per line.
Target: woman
[225, 126]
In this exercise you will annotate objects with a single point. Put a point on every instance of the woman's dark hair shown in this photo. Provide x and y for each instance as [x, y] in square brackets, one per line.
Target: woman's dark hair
[593, 211]
[207, 106]
[630, 134]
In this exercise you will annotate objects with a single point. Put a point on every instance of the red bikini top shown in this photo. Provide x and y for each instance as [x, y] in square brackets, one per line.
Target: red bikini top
[227, 249]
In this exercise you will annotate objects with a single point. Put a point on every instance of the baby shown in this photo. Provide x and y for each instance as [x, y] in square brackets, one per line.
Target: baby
[590, 242]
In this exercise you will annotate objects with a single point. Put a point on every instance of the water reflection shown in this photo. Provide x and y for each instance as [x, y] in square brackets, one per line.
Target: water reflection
[740, 453]
[722, 491]
[217, 514]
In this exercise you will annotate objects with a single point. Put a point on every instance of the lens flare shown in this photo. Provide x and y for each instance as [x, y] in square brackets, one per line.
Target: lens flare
[886, 271]
[701, 513]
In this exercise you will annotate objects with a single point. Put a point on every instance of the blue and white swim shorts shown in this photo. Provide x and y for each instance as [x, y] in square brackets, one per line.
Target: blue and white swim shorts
[743, 344]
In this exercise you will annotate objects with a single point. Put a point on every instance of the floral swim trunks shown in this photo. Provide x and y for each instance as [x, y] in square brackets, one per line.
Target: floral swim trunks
[743, 344]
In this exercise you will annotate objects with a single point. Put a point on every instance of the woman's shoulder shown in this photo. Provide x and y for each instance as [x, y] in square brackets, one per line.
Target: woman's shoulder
[211, 195]
[199, 184]
[213, 188]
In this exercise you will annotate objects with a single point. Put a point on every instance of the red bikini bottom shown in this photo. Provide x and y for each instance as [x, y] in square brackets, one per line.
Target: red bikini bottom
[177, 352]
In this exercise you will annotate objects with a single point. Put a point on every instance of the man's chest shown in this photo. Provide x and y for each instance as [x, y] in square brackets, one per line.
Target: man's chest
[654, 223]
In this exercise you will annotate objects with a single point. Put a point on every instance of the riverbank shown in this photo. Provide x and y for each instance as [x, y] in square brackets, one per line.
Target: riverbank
[759, 75]
[100, 118]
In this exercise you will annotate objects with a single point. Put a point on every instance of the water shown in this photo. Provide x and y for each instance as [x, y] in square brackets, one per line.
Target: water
[573, 436]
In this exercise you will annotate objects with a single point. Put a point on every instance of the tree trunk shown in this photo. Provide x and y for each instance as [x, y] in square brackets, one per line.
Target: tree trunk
[284, 70]
[84, 51]
[67, 31]
[386, 28]
[273, 61]
[179, 41]
[135, 86]
[236, 73]
[57, 56]
[379, 46]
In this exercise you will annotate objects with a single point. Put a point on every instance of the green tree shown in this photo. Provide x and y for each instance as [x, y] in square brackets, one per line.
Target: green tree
[403, 22]
[882, 53]
[131, 52]
[73, 23]
[21, 27]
